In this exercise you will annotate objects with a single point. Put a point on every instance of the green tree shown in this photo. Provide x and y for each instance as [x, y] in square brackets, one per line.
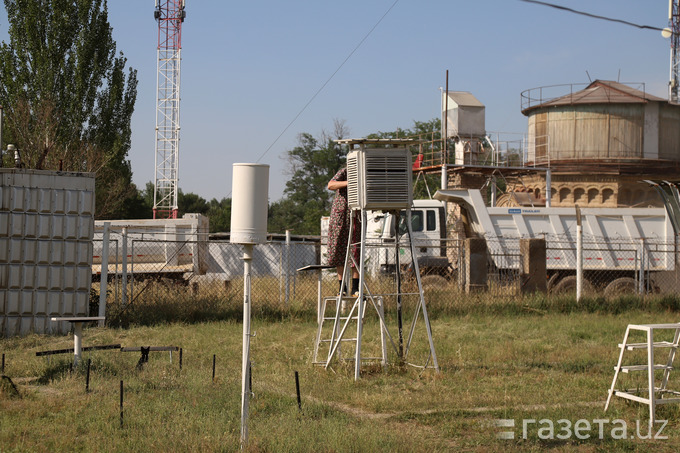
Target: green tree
[220, 215]
[311, 165]
[429, 133]
[191, 203]
[68, 101]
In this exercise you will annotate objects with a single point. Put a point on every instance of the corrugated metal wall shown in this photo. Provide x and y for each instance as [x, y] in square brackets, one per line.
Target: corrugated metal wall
[591, 131]
[46, 229]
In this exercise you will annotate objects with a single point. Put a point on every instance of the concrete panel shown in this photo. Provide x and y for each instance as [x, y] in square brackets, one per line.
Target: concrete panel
[58, 225]
[43, 252]
[16, 227]
[29, 252]
[70, 250]
[28, 276]
[72, 202]
[45, 201]
[14, 280]
[55, 282]
[69, 306]
[69, 282]
[17, 197]
[26, 325]
[26, 303]
[85, 228]
[44, 226]
[84, 278]
[4, 223]
[70, 227]
[42, 277]
[13, 304]
[40, 303]
[56, 252]
[54, 303]
[31, 225]
[46, 229]
[58, 202]
[15, 250]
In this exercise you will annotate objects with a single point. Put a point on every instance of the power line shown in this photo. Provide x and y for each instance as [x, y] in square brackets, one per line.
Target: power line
[327, 81]
[594, 16]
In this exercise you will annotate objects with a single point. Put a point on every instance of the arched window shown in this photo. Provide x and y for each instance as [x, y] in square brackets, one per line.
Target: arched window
[564, 194]
[579, 195]
[592, 195]
[607, 196]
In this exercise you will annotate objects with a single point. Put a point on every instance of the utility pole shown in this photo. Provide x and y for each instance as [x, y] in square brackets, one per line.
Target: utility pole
[169, 14]
[674, 26]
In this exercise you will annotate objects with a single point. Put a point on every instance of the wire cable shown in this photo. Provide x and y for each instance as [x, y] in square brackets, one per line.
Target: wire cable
[327, 81]
[594, 16]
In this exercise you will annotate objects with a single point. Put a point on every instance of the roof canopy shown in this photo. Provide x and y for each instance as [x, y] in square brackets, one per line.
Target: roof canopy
[600, 92]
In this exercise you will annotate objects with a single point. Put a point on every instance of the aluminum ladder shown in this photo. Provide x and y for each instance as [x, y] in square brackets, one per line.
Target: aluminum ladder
[650, 367]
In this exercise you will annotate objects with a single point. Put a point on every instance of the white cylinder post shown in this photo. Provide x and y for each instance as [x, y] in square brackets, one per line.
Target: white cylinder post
[245, 365]
[249, 205]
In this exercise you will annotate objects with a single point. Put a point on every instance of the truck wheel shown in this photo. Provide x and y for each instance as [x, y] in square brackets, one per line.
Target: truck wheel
[621, 286]
[568, 285]
[552, 280]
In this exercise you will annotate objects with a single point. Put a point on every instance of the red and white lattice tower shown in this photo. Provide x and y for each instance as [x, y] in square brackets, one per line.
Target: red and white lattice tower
[169, 14]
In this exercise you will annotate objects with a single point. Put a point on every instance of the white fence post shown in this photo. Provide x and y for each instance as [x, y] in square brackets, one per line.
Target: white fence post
[579, 255]
[104, 275]
[123, 295]
[287, 265]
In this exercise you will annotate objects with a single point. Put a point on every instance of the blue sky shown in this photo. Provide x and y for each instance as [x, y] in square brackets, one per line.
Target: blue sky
[249, 67]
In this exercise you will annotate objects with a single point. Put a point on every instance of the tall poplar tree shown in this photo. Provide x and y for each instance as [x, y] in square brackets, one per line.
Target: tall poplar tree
[67, 97]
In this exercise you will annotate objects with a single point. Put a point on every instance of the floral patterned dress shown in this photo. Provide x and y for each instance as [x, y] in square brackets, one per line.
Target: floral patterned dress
[338, 226]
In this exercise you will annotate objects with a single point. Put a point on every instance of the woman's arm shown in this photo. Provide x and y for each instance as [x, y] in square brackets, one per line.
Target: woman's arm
[335, 185]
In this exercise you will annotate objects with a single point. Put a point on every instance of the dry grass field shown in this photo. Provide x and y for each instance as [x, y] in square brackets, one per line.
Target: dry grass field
[550, 361]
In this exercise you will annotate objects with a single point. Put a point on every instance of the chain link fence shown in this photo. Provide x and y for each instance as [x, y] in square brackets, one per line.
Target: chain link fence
[209, 273]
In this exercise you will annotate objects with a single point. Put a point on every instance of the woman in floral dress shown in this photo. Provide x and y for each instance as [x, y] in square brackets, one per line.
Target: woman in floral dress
[338, 229]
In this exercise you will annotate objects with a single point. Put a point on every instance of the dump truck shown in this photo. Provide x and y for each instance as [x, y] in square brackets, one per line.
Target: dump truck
[617, 242]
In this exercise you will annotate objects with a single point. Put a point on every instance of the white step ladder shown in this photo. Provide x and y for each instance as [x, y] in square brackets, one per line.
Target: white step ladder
[340, 320]
[650, 345]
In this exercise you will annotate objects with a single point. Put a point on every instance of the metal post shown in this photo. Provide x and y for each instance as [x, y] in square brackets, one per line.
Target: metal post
[245, 365]
[548, 188]
[360, 302]
[104, 276]
[77, 342]
[287, 270]
[123, 296]
[643, 264]
[579, 254]
[397, 270]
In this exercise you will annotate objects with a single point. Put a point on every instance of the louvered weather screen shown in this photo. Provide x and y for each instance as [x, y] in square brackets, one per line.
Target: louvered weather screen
[379, 179]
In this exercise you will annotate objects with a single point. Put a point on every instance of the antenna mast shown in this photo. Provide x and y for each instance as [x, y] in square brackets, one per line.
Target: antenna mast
[169, 14]
[674, 25]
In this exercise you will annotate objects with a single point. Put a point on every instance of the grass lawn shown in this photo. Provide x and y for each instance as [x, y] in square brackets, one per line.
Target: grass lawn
[553, 367]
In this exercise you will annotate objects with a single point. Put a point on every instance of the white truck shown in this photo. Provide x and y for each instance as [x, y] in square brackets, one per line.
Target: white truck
[617, 242]
[428, 224]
